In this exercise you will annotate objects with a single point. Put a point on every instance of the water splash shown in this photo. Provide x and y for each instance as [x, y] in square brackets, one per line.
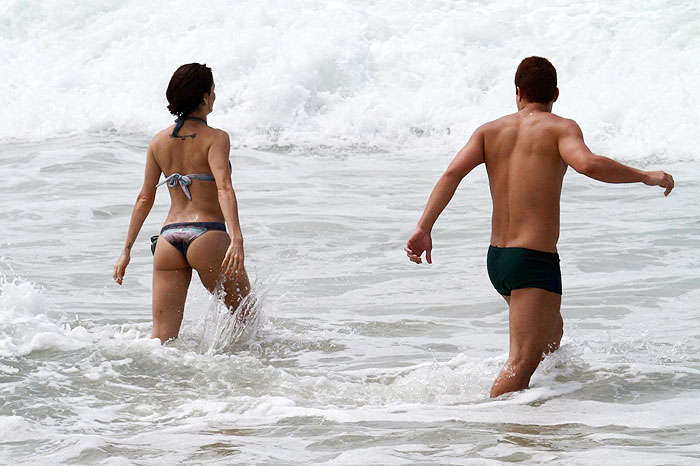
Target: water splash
[223, 329]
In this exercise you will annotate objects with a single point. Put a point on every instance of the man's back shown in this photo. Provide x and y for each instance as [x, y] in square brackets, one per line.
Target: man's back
[526, 155]
[525, 174]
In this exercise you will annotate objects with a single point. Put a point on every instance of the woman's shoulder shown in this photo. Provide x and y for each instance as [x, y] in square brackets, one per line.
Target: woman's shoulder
[211, 134]
[163, 134]
[218, 136]
[218, 133]
[161, 137]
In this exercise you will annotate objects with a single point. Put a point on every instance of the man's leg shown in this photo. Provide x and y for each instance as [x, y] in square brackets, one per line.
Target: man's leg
[536, 328]
[556, 336]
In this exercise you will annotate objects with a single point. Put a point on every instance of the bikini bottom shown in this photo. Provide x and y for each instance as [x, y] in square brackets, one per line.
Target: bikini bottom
[181, 235]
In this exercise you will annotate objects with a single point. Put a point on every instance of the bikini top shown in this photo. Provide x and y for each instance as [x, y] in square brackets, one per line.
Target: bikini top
[185, 180]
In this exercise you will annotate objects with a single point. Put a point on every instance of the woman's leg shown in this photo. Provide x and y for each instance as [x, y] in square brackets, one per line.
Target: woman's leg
[205, 254]
[171, 278]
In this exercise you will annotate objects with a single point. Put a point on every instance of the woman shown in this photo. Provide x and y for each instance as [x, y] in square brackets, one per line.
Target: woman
[194, 158]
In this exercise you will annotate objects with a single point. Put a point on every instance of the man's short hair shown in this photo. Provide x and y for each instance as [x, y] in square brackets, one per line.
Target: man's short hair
[537, 80]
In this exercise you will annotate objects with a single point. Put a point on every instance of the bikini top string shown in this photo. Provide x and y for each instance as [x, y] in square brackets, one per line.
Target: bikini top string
[181, 121]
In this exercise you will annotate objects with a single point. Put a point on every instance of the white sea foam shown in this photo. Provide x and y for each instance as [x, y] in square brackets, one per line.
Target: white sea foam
[357, 340]
[342, 75]
[360, 355]
[24, 326]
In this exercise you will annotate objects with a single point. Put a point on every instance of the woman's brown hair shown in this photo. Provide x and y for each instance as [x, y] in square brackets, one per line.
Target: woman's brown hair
[187, 88]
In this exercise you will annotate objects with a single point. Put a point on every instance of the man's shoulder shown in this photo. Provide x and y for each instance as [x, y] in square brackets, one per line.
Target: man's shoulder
[547, 121]
[502, 121]
[558, 125]
[565, 125]
[497, 125]
[559, 120]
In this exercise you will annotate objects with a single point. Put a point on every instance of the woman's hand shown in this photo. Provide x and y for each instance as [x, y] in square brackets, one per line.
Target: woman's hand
[120, 266]
[232, 266]
[419, 242]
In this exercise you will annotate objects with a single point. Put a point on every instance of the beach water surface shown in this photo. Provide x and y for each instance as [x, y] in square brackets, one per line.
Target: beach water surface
[342, 118]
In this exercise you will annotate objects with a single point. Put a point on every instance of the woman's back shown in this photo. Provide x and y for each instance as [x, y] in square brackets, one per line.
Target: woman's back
[202, 231]
[187, 153]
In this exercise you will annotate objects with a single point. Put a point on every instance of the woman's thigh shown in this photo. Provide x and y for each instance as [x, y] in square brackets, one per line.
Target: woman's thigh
[171, 278]
[205, 255]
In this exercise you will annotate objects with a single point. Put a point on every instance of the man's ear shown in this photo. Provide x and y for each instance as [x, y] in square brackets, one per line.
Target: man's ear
[556, 95]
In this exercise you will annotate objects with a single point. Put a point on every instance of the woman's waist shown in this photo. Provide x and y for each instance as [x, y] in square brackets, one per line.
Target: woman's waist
[190, 214]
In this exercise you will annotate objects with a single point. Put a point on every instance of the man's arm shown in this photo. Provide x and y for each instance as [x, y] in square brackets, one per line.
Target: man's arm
[471, 155]
[577, 155]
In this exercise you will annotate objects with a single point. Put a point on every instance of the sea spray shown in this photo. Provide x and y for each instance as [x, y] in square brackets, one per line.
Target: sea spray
[24, 325]
[223, 328]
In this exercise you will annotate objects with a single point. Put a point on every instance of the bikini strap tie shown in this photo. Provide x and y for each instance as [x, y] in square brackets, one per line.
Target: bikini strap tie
[183, 180]
[179, 121]
[178, 124]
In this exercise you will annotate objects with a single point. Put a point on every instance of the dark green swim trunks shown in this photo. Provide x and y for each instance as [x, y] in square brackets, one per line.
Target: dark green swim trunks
[514, 268]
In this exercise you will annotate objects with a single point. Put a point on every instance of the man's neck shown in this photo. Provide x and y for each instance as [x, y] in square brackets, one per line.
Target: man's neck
[531, 107]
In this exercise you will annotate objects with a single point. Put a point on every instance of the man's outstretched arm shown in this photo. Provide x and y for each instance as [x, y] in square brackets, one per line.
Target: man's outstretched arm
[471, 155]
[577, 155]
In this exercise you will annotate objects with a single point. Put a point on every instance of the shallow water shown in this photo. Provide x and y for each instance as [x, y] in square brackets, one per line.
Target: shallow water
[361, 356]
[342, 116]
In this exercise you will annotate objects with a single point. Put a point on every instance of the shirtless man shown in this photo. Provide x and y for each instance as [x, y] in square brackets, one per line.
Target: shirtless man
[526, 156]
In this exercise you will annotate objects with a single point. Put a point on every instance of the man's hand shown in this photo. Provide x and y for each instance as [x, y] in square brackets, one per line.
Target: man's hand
[418, 243]
[662, 179]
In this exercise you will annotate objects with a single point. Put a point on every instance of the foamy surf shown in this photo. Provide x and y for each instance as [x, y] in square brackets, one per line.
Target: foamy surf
[350, 340]
[342, 117]
[359, 76]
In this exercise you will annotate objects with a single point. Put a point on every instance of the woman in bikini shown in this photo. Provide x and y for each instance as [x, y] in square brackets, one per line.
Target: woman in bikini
[195, 160]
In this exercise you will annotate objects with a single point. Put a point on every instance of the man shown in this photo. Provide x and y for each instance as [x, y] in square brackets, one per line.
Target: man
[526, 155]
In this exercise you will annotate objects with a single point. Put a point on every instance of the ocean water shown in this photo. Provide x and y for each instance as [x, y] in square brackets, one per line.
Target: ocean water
[342, 117]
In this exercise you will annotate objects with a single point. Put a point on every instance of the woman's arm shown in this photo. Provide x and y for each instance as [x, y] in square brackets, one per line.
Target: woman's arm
[233, 263]
[142, 207]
